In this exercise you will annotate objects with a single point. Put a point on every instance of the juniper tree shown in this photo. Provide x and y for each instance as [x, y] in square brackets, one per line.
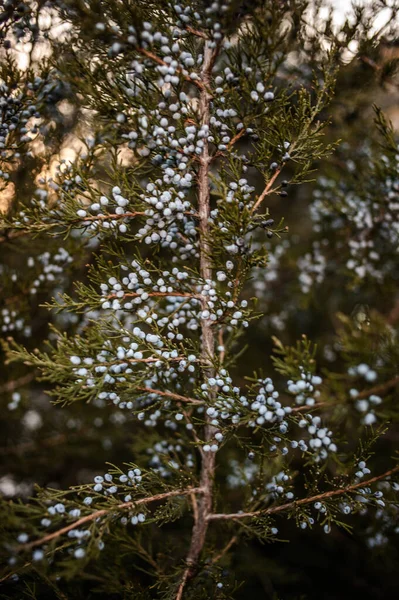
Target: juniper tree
[193, 118]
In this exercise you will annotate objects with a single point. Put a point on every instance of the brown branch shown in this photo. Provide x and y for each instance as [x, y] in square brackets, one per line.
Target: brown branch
[13, 234]
[156, 294]
[381, 388]
[159, 61]
[236, 138]
[295, 503]
[21, 232]
[109, 216]
[182, 584]
[227, 547]
[304, 408]
[147, 556]
[267, 189]
[171, 395]
[195, 507]
[197, 33]
[10, 386]
[222, 353]
[55, 440]
[11, 573]
[393, 315]
[121, 216]
[140, 360]
[101, 513]
[207, 332]
[187, 416]
[230, 144]
[377, 69]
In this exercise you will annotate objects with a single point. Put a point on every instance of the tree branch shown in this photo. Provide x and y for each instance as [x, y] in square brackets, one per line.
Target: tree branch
[105, 511]
[10, 386]
[171, 395]
[156, 294]
[381, 388]
[207, 333]
[224, 551]
[159, 61]
[110, 216]
[295, 503]
[13, 234]
[230, 144]
[267, 189]
[195, 32]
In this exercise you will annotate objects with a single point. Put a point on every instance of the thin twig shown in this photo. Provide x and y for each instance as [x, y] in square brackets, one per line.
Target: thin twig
[10, 386]
[221, 345]
[295, 503]
[151, 359]
[8, 575]
[393, 315]
[187, 416]
[230, 144]
[182, 584]
[305, 408]
[159, 61]
[171, 395]
[155, 295]
[100, 513]
[377, 68]
[55, 440]
[227, 547]
[110, 216]
[381, 388]
[13, 234]
[267, 189]
[195, 32]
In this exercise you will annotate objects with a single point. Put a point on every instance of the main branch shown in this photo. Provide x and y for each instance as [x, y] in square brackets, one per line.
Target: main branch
[207, 334]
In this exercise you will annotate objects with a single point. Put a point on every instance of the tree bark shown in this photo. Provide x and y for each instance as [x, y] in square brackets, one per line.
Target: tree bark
[207, 331]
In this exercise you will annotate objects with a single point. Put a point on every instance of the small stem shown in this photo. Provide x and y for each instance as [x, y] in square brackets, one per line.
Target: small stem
[55, 440]
[381, 388]
[170, 395]
[195, 32]
[295, 503]
[393, 315]
[230, 144]
[10, 235]
[182, 584]
[222, 352]
[105, 511]
[13, 234]
[267, 189]
[10, 386]
[155, 295]
[110, 216]
[227, 547]
[151, 359]
[159, 61]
